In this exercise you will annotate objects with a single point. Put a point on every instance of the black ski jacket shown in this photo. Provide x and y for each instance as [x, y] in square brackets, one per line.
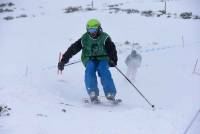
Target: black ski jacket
[77, 46]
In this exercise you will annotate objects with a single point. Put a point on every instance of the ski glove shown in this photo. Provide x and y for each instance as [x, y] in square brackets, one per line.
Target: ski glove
[61, 65]
[112, 63]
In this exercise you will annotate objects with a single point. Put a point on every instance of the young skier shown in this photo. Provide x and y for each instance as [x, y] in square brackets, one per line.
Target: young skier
[98, 53]
[133, 62]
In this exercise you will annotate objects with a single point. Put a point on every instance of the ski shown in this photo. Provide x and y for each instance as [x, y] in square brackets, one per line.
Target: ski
[116, 101]
[113, 102]
[87, 100]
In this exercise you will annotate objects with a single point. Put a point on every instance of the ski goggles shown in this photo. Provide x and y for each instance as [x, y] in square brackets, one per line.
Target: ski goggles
[92, 30]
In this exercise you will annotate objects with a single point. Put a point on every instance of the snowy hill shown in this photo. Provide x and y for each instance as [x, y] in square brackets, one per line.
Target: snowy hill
[41, 102]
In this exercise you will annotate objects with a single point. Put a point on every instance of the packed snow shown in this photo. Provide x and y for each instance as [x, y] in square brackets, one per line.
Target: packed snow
[42, 102]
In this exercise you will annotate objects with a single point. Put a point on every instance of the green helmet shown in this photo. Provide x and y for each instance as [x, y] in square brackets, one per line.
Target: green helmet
[93, 23]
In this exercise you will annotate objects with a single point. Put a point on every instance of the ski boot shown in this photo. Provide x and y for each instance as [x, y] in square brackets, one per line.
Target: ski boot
[111, 98]
[94, 98]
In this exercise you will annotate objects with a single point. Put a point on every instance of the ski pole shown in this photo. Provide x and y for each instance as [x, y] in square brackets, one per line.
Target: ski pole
[134, 86]
[59, 59]
[72, 63]
[55, 66]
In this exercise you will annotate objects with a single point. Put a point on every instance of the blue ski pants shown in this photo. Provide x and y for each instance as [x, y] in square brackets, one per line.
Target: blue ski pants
[102, 68]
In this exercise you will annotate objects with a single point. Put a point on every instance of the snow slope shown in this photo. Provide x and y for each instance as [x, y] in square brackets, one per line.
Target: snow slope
[44, 103]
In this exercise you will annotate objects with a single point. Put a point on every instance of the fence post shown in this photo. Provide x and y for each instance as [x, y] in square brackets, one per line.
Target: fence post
[59, 59]
[191, 123]
[26, 71]
[183, 42]
[195, 66]
[165, 7]
[92, 4]
[195, 71]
